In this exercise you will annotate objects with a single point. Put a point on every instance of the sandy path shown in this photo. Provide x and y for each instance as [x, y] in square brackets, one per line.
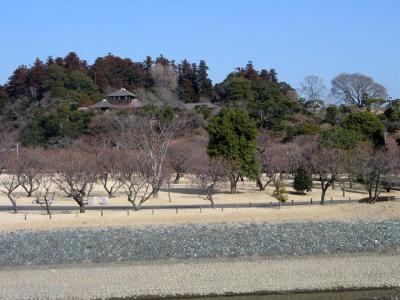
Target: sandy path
[202, 277]
[353, 211]
[186, 193]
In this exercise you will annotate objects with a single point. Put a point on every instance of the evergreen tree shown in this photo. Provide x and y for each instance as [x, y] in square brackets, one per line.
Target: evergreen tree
[249, 72]
[18, 82]
[113, 72]
[36, 77]
[330, 114]
[367, 124]
[302, 180]
[72, 62]
[341, 138]
[205, 84]
[238, 91]
[49, 61]
[59, 61]
[163, 61]
[185, 81]
[273, 76]
[233, 136]
[195, 80]
[148, 79]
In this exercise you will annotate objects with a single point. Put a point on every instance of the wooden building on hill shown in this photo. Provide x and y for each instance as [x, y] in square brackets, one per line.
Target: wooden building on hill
[121, 98]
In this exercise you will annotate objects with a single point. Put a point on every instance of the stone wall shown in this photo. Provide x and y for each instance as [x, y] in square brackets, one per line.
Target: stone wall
[110, 244]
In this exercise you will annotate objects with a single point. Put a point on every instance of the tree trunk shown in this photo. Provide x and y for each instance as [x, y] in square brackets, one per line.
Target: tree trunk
[233, 186]
[48, 208]
[14, 204]
[210, 198]
[81, 208]
[370, 193]
[155, 193]
[28, 191]
[177, 178]
[133, 204]
[169, 191]
[260, 184]
[323, 195]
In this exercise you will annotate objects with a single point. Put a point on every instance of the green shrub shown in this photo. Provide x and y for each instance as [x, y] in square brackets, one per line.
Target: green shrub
[280, 191]
[302, 181]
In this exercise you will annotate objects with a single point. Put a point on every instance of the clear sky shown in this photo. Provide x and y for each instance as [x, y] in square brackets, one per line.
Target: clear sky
[296, 37]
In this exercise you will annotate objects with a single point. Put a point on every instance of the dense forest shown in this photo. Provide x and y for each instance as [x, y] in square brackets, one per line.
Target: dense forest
[39, 105]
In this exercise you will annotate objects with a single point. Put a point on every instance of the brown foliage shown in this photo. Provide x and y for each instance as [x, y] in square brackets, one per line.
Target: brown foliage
[75, 173]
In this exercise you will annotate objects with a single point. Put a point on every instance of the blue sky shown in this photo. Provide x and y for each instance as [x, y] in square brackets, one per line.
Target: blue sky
[297, 38]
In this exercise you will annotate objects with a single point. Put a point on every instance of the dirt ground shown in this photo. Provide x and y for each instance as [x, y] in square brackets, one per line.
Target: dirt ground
[316, 212]
[186, 193]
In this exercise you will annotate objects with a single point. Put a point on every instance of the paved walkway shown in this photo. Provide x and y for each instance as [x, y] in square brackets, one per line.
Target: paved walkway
[201, 277]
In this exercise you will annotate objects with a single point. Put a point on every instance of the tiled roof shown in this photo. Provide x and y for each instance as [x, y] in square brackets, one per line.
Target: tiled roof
[120, 93]
[102, 104]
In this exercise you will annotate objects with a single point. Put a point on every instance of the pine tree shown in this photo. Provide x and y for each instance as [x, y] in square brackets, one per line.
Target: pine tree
[162, 61]
[195, 80]
[148, 63]
[249, 72]
[17, 83]
[185, 82]
[205, 84]
[73, 62]
[273, 75]
[36, 77]
[302, 180]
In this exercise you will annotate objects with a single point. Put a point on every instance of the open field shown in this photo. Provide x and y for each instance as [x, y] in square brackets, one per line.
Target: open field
[187, 193]
[352, 211]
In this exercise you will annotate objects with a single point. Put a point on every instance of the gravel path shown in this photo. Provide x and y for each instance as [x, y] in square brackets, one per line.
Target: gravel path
[201, 276]
[113, 244]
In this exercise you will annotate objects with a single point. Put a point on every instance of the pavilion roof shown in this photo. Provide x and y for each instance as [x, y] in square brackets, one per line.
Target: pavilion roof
[121, 92]
[102, 104]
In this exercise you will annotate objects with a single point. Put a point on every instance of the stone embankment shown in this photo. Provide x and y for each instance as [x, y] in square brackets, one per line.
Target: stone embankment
[114, 244]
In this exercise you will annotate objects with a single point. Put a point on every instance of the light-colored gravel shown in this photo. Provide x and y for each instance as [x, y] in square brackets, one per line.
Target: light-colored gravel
[114, 244]
[199, 277]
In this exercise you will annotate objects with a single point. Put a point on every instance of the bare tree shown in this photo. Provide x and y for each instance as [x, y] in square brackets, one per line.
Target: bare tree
[151, 135]
[180, 153]
[313, 90]
[135, 176]
[30, 170]
[326, 164]
[165, 90]
[10, 180]
[44, 196]
[350, 170]
[75, 173]
[108, 163]
[274, 162]
[164, 76]
[375, 165]
[207, 172]
[357, 89]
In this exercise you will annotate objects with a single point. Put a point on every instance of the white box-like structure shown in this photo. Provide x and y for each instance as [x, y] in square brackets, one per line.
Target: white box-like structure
[92, 201]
